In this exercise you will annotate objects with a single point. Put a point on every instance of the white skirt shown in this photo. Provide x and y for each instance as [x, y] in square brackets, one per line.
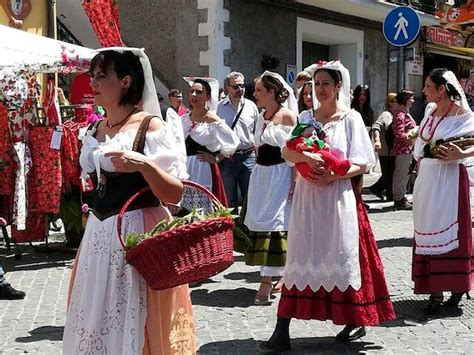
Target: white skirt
[268, 208]
[435, 207]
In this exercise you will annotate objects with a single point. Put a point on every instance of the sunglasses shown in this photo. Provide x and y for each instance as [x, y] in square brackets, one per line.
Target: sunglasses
[238, 86]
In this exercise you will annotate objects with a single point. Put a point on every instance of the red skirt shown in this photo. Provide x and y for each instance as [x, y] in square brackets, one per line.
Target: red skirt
[453, 271]
[370, 305]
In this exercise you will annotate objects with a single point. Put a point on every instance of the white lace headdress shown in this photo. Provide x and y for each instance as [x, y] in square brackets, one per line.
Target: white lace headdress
[451, 79]
[290, 102]
[149, 102]
[213, 83]
[344, 94]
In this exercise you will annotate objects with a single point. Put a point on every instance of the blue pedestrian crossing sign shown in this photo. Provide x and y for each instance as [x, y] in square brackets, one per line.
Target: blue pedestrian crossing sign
[401, 26]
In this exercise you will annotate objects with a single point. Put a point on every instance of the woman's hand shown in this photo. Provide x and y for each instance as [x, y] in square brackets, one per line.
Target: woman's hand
[377, 146]
[326, 178]
[315, 161]
[206, 157]
[127, 161]
[450, 152]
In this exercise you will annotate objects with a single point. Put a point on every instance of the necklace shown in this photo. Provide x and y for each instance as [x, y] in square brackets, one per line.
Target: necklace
[122, 121]
[430, 122]
[273, 114]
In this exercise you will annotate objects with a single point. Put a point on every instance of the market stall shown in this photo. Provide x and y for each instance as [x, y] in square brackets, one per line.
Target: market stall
[38, 152]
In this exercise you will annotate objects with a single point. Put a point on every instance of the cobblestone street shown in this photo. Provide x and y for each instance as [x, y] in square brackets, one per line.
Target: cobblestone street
[227, 322]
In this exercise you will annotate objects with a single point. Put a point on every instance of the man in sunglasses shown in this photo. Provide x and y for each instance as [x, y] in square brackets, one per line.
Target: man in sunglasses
[240, 114]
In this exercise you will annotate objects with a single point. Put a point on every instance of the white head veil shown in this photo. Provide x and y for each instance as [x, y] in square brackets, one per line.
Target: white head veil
[451, 79]
[290, 102]
[149, 102]
[213, 83]
[344, 94]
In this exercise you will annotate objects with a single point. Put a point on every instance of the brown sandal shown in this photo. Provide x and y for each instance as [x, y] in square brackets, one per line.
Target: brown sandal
[277, 286]
[263, 299]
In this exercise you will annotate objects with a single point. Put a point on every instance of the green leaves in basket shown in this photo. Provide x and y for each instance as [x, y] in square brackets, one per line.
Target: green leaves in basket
[196, 215]
[134, 239]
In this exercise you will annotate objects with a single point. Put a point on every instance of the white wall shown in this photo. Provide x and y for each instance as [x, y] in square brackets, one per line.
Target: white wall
[344, 43]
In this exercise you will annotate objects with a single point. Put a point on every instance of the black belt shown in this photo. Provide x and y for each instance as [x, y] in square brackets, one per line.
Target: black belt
[244, 151]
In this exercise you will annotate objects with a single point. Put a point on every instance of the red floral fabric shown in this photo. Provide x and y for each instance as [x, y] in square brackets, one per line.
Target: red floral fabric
[7, 172]
[104, 18]
[45, 177]
[36, 229]
[70, 151]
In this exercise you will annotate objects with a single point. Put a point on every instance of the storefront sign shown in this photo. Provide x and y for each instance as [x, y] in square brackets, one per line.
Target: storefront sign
[439, 35]
[415, 66]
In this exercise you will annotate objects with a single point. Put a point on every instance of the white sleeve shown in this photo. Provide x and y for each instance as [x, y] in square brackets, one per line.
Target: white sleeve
[418, 150]
[360, 150]
[160, 147]
[226, 141]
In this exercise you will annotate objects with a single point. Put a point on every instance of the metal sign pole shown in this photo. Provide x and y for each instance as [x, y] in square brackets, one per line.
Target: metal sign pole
[401, 69]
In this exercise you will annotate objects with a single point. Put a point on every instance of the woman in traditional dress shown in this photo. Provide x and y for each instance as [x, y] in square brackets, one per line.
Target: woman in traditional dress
[443, 257]
[270, 188]
[333, 269]
[111, 310]
[206, 135]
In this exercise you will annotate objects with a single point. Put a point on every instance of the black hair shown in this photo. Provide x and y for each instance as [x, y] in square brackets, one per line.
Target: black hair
[271, 83]
[366, 111]
[334, 74]
[403, 97]
[122, 64]
[205, 85]
[301, 105]
[436, 76]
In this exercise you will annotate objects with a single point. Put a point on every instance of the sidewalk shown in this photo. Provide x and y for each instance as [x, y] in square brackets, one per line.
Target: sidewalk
[227, 322]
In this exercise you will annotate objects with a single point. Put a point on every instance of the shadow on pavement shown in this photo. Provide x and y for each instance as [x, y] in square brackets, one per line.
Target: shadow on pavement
[395, 242]
[299, 346]
[239, 297]
[47, 332]
[385, 209]
[249, 277]
[35, 260]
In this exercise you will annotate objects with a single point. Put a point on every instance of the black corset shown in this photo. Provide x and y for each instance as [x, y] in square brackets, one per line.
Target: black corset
[268, 155]
[193, 147]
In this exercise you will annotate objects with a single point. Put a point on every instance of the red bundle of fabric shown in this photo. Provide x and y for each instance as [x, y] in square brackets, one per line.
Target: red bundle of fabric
[36, 229]
[7, 171]
[104, 18]
[45, 176]
[70, 151]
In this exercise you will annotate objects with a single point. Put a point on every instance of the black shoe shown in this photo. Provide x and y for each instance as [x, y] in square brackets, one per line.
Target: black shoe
[402, 204]
[455, 298]
[280, 339]
[434, 305]
[9, 293]
[375, 192]
[367, 207]
[351, 333]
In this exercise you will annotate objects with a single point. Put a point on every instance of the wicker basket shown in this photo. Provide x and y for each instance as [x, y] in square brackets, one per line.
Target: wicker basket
[186, 254]
[461, 142]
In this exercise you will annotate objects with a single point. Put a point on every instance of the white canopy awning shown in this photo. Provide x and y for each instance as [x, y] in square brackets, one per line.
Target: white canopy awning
[18, 48]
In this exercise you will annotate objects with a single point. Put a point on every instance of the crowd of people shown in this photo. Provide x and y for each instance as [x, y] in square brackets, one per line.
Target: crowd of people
[308, 232]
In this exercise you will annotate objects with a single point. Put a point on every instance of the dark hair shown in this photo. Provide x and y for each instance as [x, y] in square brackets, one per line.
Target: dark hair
[122, 64]
[205, 85]
[436, 76]
[366, 111]
[403, 97]
[334, 74]
[301, 105]
[271, 83]
[174, 93]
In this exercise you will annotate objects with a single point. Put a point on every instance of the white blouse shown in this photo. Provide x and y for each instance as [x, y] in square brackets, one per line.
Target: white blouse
[159, 147]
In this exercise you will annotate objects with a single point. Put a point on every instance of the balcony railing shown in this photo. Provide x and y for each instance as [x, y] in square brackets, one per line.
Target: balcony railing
[426, 6]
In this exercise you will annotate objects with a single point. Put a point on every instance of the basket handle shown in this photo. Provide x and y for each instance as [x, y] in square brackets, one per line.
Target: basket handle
[146, 189]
